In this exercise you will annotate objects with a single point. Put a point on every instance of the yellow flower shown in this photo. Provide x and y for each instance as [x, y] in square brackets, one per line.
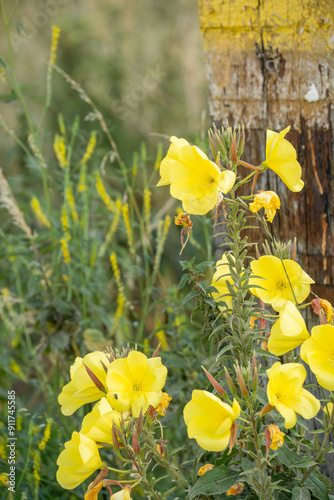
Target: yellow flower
[163, 405]
[193, 178]
[124, 494]
[288, 332]
[60, 150]
[77, 461]
[82, 389]
[281, 157]
[267, 200]
[35, 205]
[318, 353]
[275, 284]
[235, 490]
[219, 280]
[276, 436]
[209, 420]
[328, 308]
[98, 423]
[135, 382]
[205, 468]
[285, 392]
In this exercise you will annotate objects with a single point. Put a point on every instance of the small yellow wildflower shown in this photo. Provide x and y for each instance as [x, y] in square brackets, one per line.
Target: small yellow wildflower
[47, 434]
[328, 308]
[103, 193]
[60, 150]
[267, 200]
[36, 150]
[161, 336]
[205, 468]
[126, 217]
[147, 207]
[82, 184]
[90, 148]
[160, 450]
[119, 312]
[276, 436]
[54, 44]
[112, 228]
[235, 490]
[41, 217]
[17, 370]
[65, 250]
[163, 405]
[4, 477]
[71, 204]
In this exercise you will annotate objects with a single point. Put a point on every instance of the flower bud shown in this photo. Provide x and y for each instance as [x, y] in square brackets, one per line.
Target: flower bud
[266, 409]
[94, 379]
[235, 490]
[229, 381]
[233, 435]
[135, 441]
[205, 468]
[242, 385]
[234, 153]
[140, 422]
[155, 354]
[115, 441]
[215, 384]
[241, 144]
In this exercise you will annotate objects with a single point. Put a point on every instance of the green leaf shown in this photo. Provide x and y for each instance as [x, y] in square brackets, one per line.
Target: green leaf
[190, 296]
[215, 482]
[300, 494]
[315, 483]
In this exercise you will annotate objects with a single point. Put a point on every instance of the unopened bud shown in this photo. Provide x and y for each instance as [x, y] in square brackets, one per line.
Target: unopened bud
[293, 254]
[155, 354]
[94, 379]
[266, 409]
[242, 385]
[229, 381]
[140, 422]
[135, 441]
[114, 435]
[233, 435]
[234, 153]
[215, 384]
[241, 144]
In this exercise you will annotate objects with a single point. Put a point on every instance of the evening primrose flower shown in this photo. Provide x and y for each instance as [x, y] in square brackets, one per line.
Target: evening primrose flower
[77, 461]
[205, 468]
[288, 332]
[82, 389]
[124, 494]
[135, 382]
[281, 157]
[163, 405]
[286, 394]
[272, 277]
[209, 420]
[318, 353]
[267, 200]
[193, 178]
[219, 280]
[328, 308]
[98, 423]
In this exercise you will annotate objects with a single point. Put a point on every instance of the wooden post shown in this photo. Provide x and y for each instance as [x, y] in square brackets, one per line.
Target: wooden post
[269, 65]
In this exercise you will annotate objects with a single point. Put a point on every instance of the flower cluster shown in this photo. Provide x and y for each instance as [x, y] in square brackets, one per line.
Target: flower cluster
[124, 387]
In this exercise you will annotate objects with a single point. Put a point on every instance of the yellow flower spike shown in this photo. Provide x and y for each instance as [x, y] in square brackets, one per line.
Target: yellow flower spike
[135, 382]
[100, 188]
[161, 336]
[41, 217]
[288, 332]
[209, 420]
[90, 148]
[328, 308]
[97, 424]
[275, 284]
[82, 389]
[119, 311]
[124, 494]
[276, 436]
[219, 280]
[318, 353]
[117, 273]
[128, 228]
[54, 44]
[65, 250]
[281, 157]
[60, 150]
[47, 434]
[205, 468]
[193, 178]
[71, 204]
[286, 394]
[163, 405]
[77, 461]
[267, 200]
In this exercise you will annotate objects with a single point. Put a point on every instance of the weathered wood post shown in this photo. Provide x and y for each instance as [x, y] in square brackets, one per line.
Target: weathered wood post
[269, 65]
